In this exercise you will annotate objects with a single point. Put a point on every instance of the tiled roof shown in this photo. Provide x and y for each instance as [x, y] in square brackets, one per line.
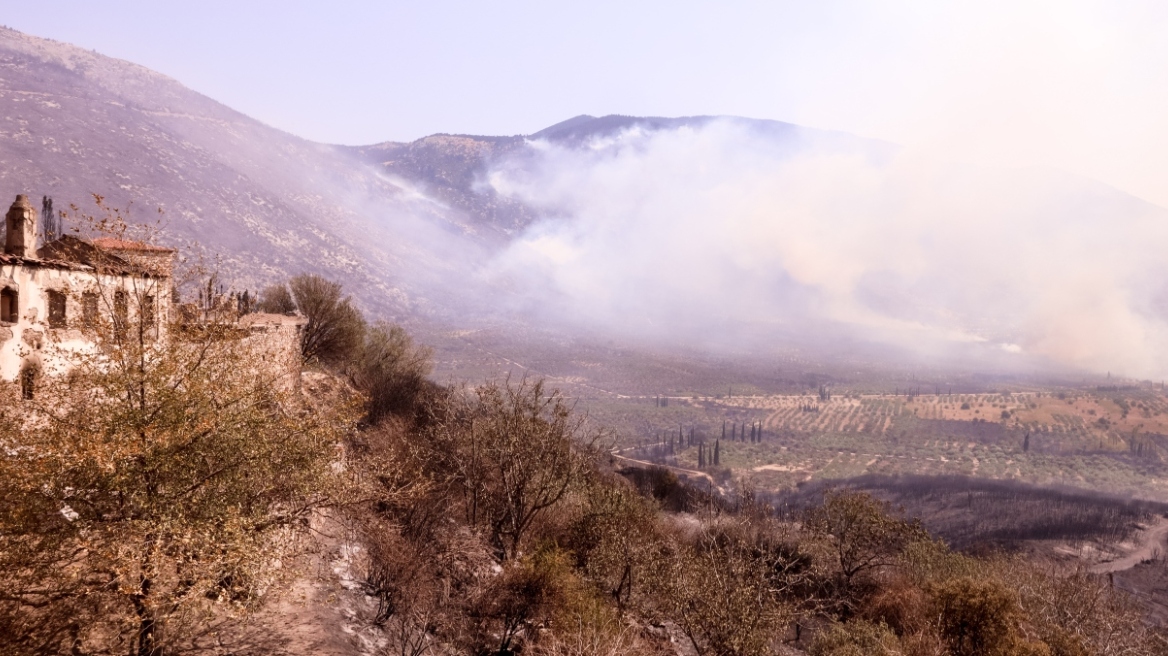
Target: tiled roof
[6, 258]
[73, 252]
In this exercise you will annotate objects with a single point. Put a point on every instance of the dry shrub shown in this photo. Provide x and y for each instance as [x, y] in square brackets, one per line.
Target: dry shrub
[900, 605]
[856, 638]
[732, 590]
[526, 596]
[924, 643]
[978, 617]
[1078, 613]
[616, 541]
[600, 636]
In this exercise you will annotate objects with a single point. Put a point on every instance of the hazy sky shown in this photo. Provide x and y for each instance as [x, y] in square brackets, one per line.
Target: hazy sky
[1078, 85]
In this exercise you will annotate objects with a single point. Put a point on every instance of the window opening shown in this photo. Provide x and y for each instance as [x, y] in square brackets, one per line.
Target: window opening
[89, 309]
[148, 311]
[56, 309]
[121, 313]
[9, 305]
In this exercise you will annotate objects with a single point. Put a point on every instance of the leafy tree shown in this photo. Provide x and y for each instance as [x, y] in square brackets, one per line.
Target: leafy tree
[390, 369]
[861, 531]
[276, 299]
[335, 327]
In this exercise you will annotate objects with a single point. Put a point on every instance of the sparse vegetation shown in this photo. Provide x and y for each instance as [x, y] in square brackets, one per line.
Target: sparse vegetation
[151, 494]
[491, 521]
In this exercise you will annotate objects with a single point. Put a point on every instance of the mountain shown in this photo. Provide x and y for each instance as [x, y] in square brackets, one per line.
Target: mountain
[269, 203]
[717, 234]
[392, 220]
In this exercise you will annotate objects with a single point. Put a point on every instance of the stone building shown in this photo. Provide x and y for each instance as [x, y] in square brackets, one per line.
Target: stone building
[52, 297]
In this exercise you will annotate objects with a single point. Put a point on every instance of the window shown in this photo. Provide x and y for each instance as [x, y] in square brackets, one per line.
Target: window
[89, 309]
[148, 311]
[149, 318]
[9, 305]
[56, 309]
[121, 313]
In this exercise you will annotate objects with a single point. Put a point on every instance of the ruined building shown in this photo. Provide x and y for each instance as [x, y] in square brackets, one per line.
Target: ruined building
[53, 297]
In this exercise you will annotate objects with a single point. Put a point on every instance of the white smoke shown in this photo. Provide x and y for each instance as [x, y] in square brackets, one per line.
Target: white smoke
[713, 233]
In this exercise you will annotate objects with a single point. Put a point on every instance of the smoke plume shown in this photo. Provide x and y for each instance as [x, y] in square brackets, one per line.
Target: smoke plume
[727, 233]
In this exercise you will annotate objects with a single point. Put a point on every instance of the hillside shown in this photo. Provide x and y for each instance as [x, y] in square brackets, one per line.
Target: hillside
[403, 224]
[690, 244]
[77, 123]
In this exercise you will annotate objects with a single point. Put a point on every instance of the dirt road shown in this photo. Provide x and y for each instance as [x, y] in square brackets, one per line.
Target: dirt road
[690, 472]
[1151, 543]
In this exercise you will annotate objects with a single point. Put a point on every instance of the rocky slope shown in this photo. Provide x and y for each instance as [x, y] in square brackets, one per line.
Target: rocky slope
[76, 123]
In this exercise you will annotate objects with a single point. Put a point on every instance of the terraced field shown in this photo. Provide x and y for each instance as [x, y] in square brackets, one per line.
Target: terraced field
[1110, 441]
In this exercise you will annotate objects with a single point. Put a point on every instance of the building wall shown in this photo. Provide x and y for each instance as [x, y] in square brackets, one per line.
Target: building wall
[31, 341]
[275, 340]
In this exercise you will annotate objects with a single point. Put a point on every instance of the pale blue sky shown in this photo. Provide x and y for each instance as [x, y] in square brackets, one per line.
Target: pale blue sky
[1075, 84]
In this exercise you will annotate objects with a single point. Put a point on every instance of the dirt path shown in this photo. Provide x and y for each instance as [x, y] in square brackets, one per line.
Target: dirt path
[1151, 542]
[690, 472]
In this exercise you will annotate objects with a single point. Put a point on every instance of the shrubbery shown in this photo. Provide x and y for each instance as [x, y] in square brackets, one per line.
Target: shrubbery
[153, 502]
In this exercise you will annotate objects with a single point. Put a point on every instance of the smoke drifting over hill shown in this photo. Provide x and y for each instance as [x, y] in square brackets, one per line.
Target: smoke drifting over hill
[697, 231]
[704, 232]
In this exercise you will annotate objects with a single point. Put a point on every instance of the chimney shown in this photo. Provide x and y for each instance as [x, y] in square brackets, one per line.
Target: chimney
[21, 224]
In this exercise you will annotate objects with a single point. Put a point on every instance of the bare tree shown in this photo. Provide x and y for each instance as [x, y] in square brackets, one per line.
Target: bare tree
[515, 451]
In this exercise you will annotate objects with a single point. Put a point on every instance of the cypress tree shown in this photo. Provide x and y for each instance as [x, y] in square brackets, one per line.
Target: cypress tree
[723, 429]
[701, 456]
[717, 452]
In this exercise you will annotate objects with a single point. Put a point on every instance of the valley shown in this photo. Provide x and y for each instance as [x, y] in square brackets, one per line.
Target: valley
[1105, 441]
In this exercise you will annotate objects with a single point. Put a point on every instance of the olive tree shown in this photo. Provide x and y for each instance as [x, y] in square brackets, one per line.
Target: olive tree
[862, 532]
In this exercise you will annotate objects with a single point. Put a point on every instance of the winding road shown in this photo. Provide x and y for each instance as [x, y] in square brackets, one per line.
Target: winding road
[1151, 543]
